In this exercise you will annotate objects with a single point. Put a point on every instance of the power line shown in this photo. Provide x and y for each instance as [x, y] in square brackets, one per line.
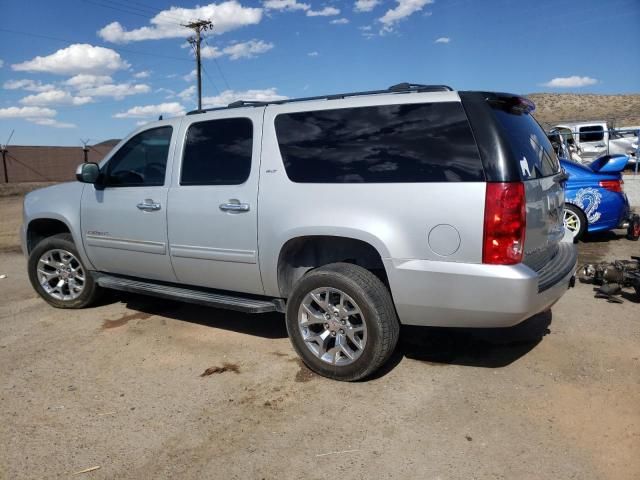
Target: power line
[128, 9]
[118, 49]
[215, 60]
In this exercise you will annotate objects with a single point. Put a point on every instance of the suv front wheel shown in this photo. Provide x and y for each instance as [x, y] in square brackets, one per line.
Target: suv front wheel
[58, 275]
[342, 322]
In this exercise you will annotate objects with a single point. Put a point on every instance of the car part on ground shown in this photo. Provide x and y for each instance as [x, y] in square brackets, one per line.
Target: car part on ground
[613, 277]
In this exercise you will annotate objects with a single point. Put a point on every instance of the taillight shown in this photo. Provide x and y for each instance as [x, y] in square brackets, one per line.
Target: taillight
[505, 218]
[612, 185]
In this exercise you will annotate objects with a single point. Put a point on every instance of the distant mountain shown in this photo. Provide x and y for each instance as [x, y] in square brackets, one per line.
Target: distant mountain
[618, 110]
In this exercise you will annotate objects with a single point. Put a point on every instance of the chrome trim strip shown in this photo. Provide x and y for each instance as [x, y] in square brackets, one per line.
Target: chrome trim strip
[145, 246]
[208, 253]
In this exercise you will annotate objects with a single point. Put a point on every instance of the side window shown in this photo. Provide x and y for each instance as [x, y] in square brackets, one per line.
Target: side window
[142, 161]
[426, 142]
[217, 152]
[591, 134]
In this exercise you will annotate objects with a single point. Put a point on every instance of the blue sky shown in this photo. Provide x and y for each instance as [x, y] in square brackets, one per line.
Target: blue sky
[98, 68]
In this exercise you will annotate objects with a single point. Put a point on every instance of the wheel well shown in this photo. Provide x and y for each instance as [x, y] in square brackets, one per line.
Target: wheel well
[42, 228]
[299, 255]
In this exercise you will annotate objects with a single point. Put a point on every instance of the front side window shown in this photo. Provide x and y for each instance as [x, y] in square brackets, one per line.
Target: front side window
[142, 161]
[218, 152]
[426, 142]
[591, 134]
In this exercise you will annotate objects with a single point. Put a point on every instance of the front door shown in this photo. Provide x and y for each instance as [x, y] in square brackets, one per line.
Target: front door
[124, 217]
[212, 215]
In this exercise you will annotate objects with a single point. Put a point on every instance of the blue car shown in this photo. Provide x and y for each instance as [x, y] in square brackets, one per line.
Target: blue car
[594, 197]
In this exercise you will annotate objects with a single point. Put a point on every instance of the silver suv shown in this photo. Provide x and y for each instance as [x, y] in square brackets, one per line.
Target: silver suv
[351, 213]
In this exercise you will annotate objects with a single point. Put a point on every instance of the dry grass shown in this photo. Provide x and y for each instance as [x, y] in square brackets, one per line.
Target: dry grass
[10, 221]
[619, 110]
[20, 189]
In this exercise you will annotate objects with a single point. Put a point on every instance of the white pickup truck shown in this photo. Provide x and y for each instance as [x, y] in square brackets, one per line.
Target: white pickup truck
[596, 138]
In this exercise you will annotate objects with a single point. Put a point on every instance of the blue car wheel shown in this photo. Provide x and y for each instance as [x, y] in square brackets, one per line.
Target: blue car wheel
[574, 221]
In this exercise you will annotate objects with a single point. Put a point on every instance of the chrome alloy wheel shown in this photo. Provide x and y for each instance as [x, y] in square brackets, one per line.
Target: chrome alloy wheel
[61, 275]
[332, 326]
[572, 222]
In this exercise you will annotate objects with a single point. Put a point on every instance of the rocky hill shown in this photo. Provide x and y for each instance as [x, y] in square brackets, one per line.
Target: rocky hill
[619, 110]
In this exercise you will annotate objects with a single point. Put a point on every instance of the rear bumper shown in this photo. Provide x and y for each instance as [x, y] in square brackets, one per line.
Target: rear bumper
[449, 294]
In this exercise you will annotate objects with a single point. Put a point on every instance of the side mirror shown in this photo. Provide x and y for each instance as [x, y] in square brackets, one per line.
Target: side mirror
[88, 172]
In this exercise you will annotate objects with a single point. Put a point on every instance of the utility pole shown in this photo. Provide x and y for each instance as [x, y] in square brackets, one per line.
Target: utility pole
[198, 27]
[3, 150]
[85, 149]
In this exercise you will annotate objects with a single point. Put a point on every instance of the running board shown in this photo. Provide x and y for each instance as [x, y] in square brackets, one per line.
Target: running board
[209, 298]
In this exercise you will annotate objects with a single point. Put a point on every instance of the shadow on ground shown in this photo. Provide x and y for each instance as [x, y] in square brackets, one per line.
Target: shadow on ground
[488, 348]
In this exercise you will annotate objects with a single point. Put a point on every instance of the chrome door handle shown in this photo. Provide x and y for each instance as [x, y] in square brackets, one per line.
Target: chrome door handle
[148, 205]
[234, 207]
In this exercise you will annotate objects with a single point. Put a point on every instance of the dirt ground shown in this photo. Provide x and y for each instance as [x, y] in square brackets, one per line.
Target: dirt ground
[143, 388]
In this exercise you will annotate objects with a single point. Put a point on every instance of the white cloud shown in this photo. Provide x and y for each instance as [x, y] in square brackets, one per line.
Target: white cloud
[404, 9]
[1, 63]
[365, 5]
[26, 112]
[143, 74]
[285, 5]
[210, 52]
[54, 97]
[37, 115]
[146, 111]
[247, 49]
[570, 82]
[339, 21]
[313, 54]
[188, 93]
[225, 16]
[83, 81]
[229, 96]
[189, 77]
[117, 91]
[75, 59]
[29, 85]
[443, 40]
[139, 123]
[50, 122]
[325, 12]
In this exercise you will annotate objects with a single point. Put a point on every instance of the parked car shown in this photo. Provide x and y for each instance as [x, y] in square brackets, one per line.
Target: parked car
[595, 200]
[351, 213]
[596, 138]
[594, 193]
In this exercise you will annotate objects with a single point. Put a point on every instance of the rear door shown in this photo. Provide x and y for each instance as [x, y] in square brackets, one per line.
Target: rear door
[540, 172]
[213, 206]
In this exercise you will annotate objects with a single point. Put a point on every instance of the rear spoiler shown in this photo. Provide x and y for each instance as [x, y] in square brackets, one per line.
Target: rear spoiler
[609, 163]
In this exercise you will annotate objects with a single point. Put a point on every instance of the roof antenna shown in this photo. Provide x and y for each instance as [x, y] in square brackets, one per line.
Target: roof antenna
[160, 117]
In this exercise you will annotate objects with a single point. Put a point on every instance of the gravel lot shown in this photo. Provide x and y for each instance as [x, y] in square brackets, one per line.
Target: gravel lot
[120, 387]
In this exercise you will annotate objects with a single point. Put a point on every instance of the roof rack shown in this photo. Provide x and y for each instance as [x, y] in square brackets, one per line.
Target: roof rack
[398, 88]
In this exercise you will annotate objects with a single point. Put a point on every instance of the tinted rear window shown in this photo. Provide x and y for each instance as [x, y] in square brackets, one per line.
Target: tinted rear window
[591, 134]
[529, 143]
[217, 152]
[428, 142]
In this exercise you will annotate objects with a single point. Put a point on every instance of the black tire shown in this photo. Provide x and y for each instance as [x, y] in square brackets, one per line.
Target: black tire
[582, 218]
[64, 241]
[633, 232]
[379, 315]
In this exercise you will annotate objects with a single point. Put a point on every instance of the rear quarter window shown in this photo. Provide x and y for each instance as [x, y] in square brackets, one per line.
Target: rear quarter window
[528, 142]
[427, 142]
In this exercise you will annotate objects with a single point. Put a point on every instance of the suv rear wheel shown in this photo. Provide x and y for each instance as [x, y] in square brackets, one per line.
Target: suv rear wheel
[58, 275]
[342, 322]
